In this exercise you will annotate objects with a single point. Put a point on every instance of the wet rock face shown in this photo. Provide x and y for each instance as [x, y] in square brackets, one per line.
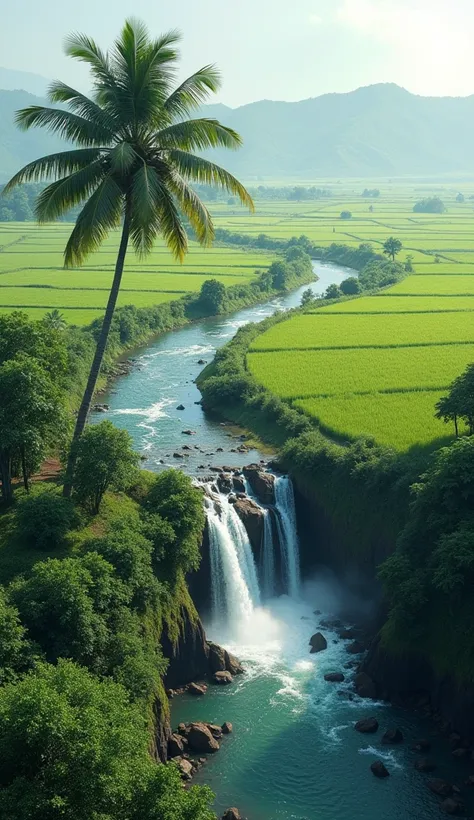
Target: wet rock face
[367, 726]
[440, 787]
[232, 814]
[217, 660]
[252, 518]
[318, 643]
[262, 484]
[222, 678]
[364, 686]
[392, 736]
[200, 738]
[378, 769]
[334, 677]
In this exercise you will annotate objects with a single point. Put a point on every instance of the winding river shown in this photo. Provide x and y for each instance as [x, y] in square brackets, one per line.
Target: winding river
[293, 754]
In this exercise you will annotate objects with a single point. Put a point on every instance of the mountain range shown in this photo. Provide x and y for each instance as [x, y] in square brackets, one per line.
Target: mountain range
[379, 130]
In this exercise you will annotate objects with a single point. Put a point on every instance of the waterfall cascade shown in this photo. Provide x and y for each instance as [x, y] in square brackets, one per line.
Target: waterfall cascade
[236, 583]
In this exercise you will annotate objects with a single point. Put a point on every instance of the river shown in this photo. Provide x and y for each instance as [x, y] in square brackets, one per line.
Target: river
[293, 754]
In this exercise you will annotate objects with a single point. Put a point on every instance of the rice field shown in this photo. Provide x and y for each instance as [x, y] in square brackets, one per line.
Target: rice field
[33, 279]
[377, 365]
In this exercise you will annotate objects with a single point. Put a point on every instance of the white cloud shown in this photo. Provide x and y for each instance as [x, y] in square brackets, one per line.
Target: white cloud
[430, 40]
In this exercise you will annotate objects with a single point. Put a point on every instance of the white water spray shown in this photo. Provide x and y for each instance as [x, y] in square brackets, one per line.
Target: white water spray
[268, 557]
[286, 522]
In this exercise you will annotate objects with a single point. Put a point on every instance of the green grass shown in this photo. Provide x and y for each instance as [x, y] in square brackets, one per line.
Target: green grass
[320, 330]
[298, 374]
[401, 304]
[374, 414]
[32, 276]
[435, 285]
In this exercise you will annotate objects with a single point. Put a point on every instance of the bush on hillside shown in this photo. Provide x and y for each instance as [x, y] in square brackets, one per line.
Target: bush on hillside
[44, 518]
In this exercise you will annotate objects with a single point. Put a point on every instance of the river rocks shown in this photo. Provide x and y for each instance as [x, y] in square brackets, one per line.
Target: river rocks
[200, 738]
[379, 769]
[100, 408]
[188, 432]
[185, 767]
[355, 648]
[440, 787]
[422, 745]
[334, 677]
[239, 484]
[367, 726]
[392, 736]
[217, 662]
[202, 361]
[197, 689]
[252, 518]
[453, 806]
[232, 814]
[425, 765]
[364, 686]
[262, 484]
[348, 634]
[215, 730]
[227, 728]
[224, 483]
[318, 643]
[222, 678]
[180, 407]
[176, 745]
[178, 455]
[331, 623]
[232, 664]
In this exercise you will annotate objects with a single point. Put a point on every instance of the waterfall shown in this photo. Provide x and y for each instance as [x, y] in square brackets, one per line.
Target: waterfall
[235, 590]
[288, 536]
[268, 557]
[235, 585]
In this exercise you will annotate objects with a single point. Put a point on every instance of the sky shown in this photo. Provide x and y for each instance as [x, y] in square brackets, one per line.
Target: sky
[266, 49]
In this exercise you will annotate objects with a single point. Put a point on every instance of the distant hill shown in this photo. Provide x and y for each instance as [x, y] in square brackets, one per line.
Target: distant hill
[380, 130]
[12, 80]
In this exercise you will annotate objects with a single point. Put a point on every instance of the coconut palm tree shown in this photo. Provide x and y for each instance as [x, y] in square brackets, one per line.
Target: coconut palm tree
[54, 319]
[133, 162]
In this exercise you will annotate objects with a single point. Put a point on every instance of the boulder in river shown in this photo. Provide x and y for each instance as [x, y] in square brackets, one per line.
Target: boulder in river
[178, 455]
[440, 787]
[185, 767]
[334, 677]
[355, 648]
[379, 769]
[197, 689]
[239, 484]
[232, 664]
[425, 765]
[367, 726]
[252, 518]
[364, 686]
[318, 643]
[200, 738]
[453, 806]
[263, 484]
[232, 814]
[188, 432]
[217, 661]
[180, 407]
[224, 482]
[392, 736]
[176, 745]
[222, 678]
[227, 728]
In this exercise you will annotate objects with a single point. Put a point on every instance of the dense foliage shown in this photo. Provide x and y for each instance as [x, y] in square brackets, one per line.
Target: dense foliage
[104, 458]
[431, 205]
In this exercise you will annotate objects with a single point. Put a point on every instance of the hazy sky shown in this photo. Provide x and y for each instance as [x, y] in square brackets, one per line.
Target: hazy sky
[274, 49]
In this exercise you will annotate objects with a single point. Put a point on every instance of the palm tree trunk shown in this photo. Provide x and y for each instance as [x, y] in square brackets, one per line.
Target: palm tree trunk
[98, 356]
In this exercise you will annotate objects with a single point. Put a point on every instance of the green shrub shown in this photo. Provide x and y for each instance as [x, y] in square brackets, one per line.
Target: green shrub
[44, 518]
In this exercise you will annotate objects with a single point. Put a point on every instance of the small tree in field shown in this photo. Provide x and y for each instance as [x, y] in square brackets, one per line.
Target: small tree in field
[392, 247]
[346, 215]
[350, 286]
[459, 403]
[332, 292]
[307, 297]
[212, 295]
[104, 458]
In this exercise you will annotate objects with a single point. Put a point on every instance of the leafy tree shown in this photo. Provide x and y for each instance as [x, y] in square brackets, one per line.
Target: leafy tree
[307, 297]
[392, 247]
[32, 415]
[371, 192]
[54, 319]
[18, 334]
[73, 746]
[459, 403]
[103, 458]
[371, 209]
[6, 215]
[346, 215]
[212, 295]
[44, 519]
[133, 160]
[68, 605]
[173, 498]
[350, 286]
[460, 198]
[280, 275]
[431, 205]
[332, 292]
[16, 652]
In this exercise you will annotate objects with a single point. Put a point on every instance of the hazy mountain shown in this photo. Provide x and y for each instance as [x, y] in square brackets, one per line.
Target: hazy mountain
[12, 80]
[375, 131]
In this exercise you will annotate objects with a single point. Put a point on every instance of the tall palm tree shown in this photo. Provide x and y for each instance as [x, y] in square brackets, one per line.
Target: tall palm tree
[133, 162]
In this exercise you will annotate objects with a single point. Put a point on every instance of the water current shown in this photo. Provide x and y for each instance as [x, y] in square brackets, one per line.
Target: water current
[293, 754]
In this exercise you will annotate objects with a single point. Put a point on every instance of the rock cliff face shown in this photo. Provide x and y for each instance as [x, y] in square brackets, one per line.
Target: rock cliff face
[409, 679]
[189, 655]
[251, 516]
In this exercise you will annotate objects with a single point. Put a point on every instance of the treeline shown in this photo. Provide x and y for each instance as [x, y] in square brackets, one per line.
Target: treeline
[296, 193]
[19, 204]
